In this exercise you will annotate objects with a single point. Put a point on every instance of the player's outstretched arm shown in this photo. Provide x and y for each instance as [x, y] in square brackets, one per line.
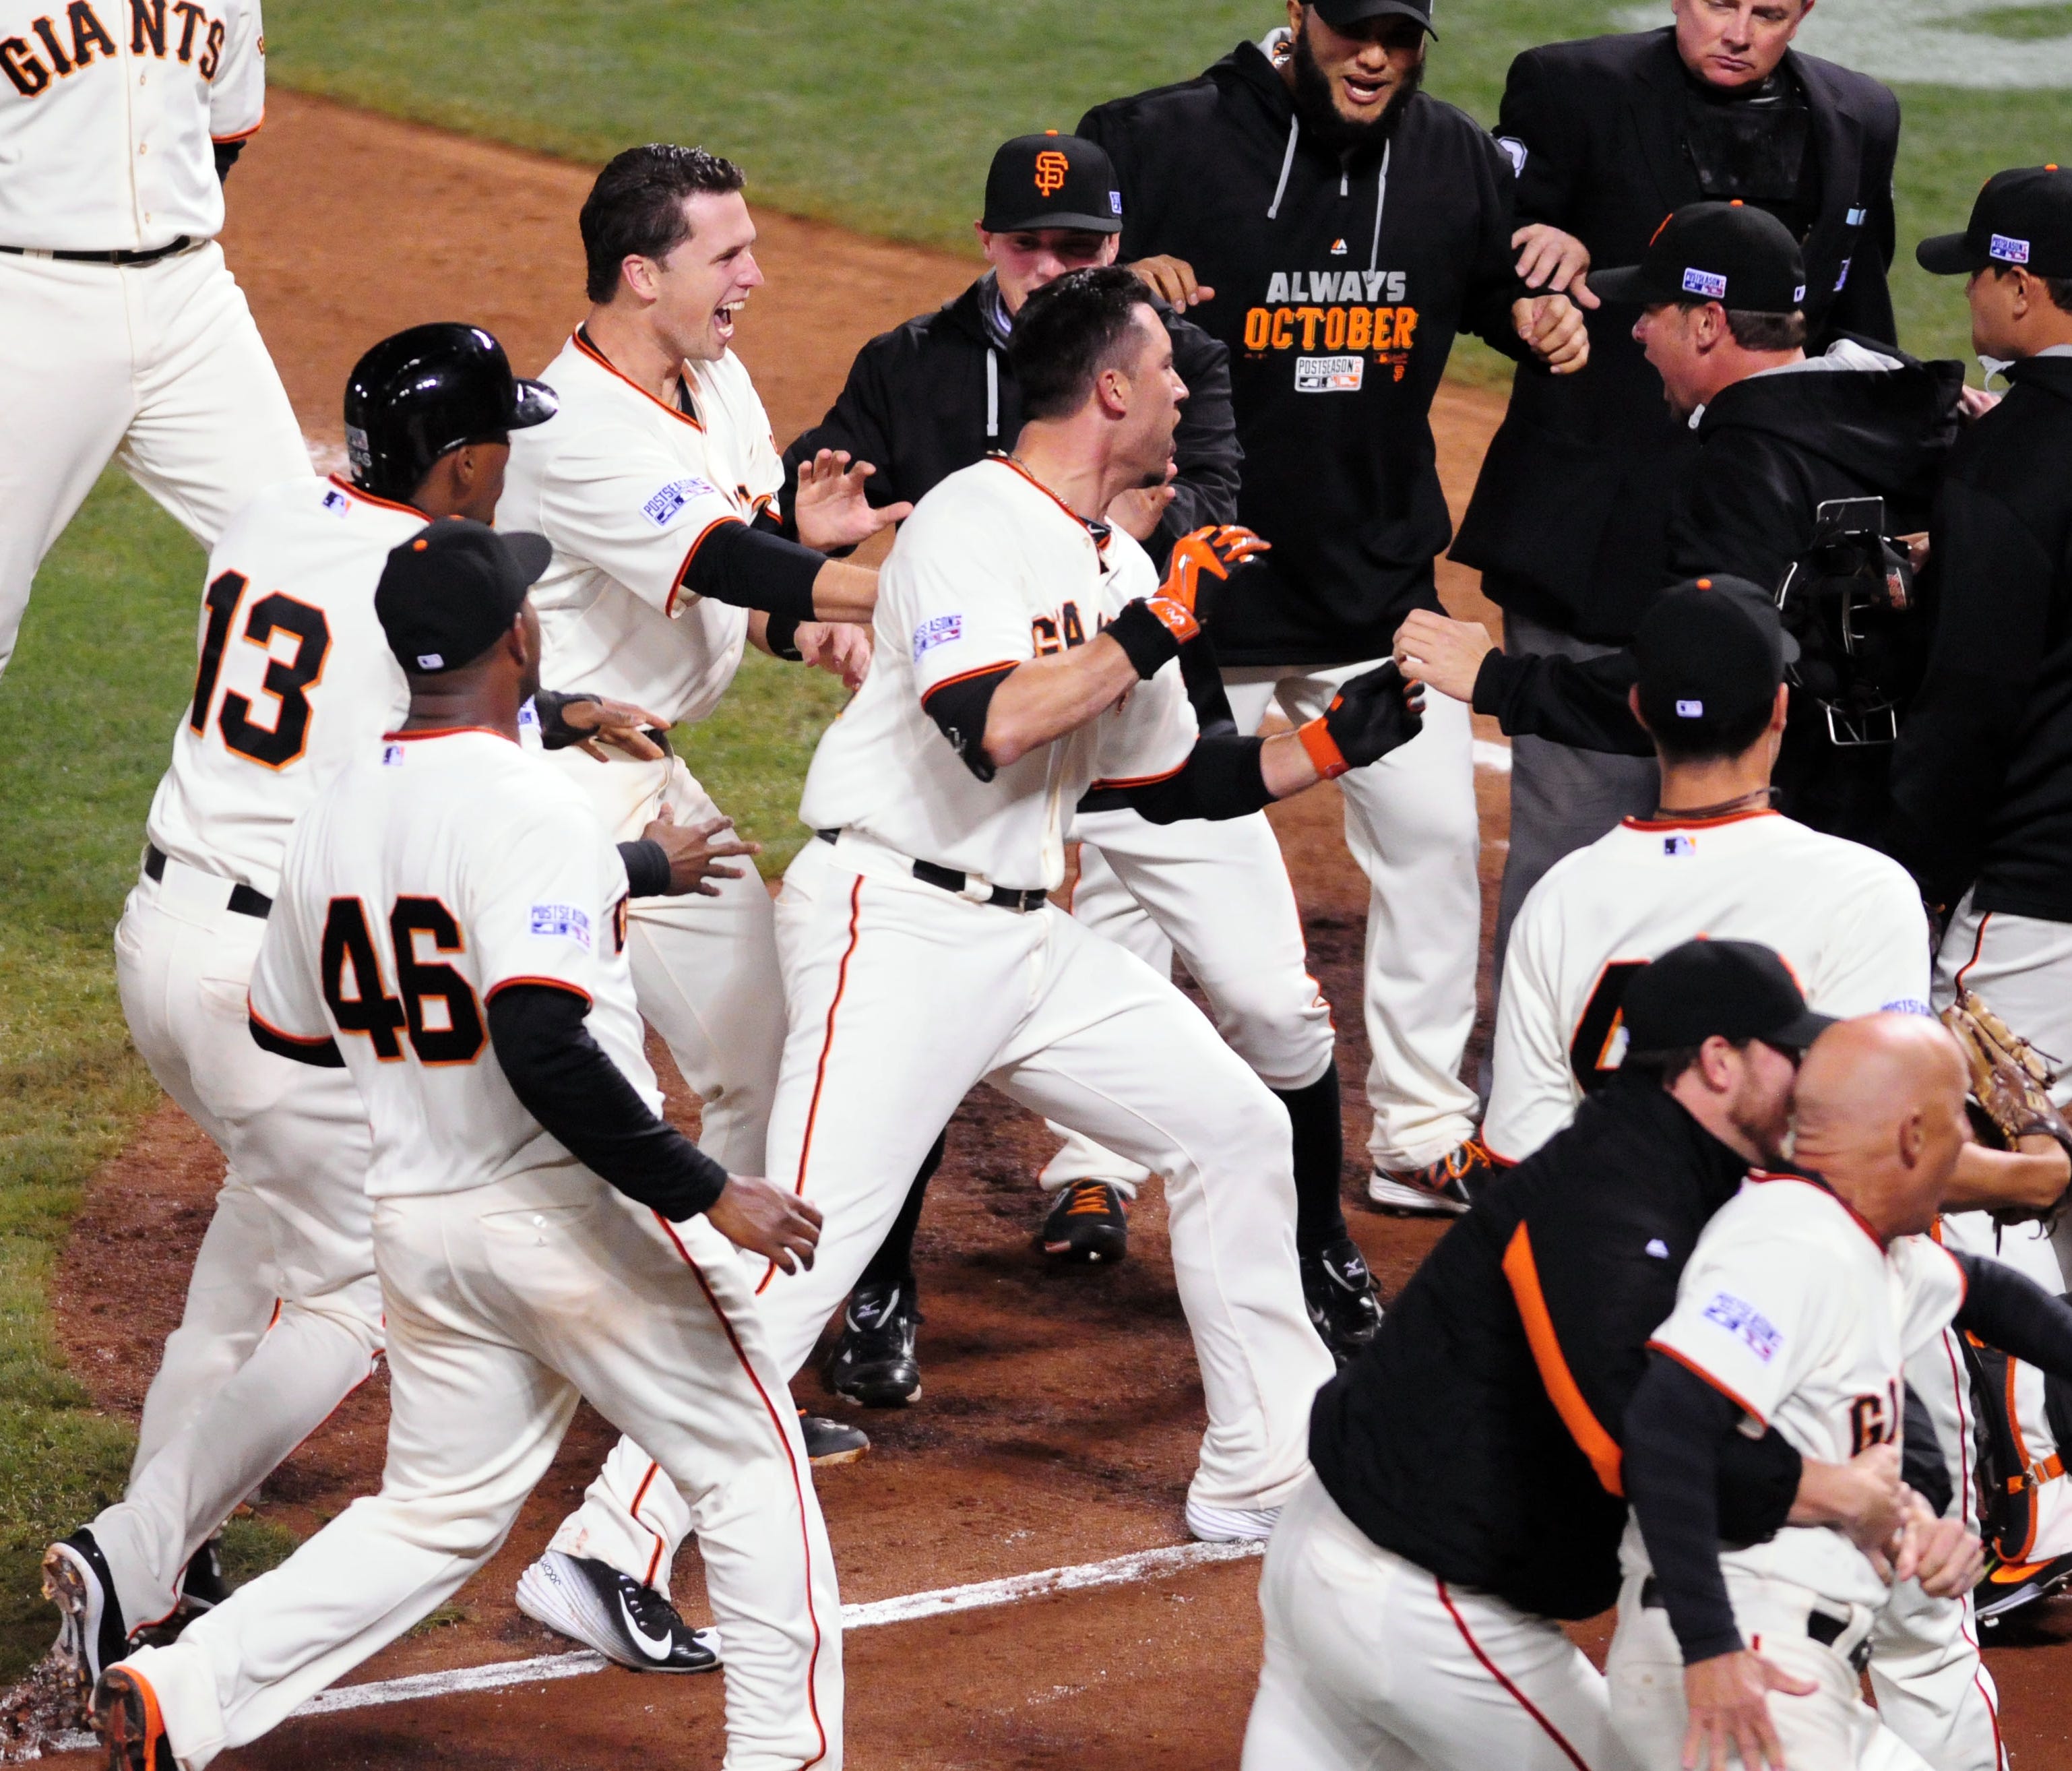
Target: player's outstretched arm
[752, 566]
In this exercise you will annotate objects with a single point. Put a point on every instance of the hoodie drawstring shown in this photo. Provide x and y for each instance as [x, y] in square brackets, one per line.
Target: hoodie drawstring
[991, 393]
[1287, 167]
[1380, 203]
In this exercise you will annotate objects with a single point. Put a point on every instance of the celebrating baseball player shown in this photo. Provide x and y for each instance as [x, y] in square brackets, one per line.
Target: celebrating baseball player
[1336, 227]
[294, 681]
[126, 335]
[450, 928]
[930, 398]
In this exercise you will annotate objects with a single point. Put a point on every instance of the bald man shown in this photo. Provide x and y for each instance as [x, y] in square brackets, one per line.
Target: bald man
[1800, 1307]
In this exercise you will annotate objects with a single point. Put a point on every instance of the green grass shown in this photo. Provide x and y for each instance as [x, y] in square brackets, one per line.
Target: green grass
[2023, 24]
[751, 754]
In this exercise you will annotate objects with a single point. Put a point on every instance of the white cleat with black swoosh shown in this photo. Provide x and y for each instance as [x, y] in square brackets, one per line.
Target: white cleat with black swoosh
[591, 1602]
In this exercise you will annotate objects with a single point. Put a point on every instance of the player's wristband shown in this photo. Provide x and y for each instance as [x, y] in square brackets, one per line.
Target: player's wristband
[1151, 632]
[782, 637]
[1323, 749]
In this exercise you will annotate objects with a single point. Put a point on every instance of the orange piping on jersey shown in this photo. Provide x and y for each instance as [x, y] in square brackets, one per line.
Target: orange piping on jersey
[1000, 669]
[1694, 823]
[640, 1494]
[1766, 1176]
[544, 983]
[1100, 545]
[365, 496]
[1978, 947]
[1124, 784]
[1583, 1426]
[827, 1045]
[605, 362]
[1755, 1414]
[241, 135]
[676, 584]
[308, 1044]
[791, 1461]
[443, 731]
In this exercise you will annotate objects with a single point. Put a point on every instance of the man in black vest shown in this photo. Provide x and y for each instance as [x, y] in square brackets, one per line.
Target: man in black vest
[1609, 136]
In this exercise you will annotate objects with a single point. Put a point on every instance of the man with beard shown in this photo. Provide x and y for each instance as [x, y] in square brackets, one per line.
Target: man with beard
[1337, 229]
[1609, 135]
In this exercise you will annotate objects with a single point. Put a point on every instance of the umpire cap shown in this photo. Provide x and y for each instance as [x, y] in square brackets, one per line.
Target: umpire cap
[426, 392]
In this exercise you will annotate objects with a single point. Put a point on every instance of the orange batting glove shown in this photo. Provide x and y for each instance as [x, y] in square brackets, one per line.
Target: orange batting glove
[1213, 550]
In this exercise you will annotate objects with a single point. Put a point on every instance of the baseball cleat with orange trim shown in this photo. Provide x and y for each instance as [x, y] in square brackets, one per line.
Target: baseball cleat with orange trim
[77, 1581]
[1089, 1223]
[2008, 1586]
[591, 1602]
[125, 1714]
[1443, 1188]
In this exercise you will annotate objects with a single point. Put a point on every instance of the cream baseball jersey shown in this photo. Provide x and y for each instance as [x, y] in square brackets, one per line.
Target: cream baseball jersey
[438, 869]
[626, 488]
[294, 677]
[1790, 1308]
[989, 572]
[1847, 920]
[110, 112]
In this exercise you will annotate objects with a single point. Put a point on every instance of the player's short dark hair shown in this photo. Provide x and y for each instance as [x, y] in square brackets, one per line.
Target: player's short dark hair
[2060, 287]
[1664, 1069]
[636, 207]
[1722, 745]
[1068, 332]
[1757, 332]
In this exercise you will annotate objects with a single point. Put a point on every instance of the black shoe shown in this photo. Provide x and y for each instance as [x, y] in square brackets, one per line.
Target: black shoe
[1090, 1222]
[203, 1587]
[591, 1602]
[874, 1362]
[1443, 1188]
[1339, 1293]
[77, 1581]
[123, 1710]
[831, 1441]
[2009, 1586]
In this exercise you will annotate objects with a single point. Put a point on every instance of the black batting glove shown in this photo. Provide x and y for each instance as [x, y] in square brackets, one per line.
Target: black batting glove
[1369, 717]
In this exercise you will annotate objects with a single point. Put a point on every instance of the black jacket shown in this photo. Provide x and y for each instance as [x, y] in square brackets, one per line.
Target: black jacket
[1568, 517]
[1771, 450]
[1339, 294]
[1982, 777]
[932, 397]
[1477, 1436]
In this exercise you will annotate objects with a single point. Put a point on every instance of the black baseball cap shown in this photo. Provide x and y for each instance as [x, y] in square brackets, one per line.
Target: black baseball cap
[1731, 990]
[452, 590]
[1743, 258]
[1339, 13]
[2023, 216]
[1711, 652]
[1052, 181]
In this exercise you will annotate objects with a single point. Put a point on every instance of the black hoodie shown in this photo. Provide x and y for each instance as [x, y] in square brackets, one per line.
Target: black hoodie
[1340, 285]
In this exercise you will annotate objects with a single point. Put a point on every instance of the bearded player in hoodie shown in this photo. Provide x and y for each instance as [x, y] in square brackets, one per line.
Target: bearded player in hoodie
[1338, 228]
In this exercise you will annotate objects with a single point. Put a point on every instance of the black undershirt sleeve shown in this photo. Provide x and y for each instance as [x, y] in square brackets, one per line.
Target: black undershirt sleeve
[226, 158]
[961, 707]
[1580, 702]
[2008, 1310]
[752, 567]
[1221, 777]
[564, 1079]
[317, 1053]
[647, 868]
[1923, 1465]
[1676, 1429]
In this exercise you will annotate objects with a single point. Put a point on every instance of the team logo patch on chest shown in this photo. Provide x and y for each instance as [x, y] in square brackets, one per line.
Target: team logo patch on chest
[1746, 1323]
[667, 504]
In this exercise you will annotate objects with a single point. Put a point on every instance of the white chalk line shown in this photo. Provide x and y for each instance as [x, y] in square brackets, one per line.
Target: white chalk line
[910, 1608]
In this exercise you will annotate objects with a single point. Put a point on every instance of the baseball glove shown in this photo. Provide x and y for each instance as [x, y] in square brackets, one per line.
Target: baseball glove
[2010, 1078]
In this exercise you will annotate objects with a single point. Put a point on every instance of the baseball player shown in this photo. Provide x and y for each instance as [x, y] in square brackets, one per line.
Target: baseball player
[656, 482]
[126, 335]
[1803, 1300]
[451, 929]
[295, 680]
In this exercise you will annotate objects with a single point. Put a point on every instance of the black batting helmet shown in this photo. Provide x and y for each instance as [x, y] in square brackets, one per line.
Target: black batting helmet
[428, 391]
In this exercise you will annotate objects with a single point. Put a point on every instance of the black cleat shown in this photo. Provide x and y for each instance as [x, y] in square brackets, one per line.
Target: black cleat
[1089, 1223]
[203, 1587]
[591, 1602]
[832, 1441]
[874, 1362]
[1443, 1188]
[125, 1713]
[76, 1579]
[2008, 1586]
[1339, 1293]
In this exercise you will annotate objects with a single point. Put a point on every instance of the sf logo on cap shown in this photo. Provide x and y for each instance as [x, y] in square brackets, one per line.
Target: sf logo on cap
[1051, 167]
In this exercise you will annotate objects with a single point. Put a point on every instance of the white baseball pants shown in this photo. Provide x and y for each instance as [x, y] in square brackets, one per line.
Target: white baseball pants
[1217, 892]
[1373, 1664]
[283, 1315]
[495, 1333]
[1411, 824]
[158, 366]
[1830, 1729]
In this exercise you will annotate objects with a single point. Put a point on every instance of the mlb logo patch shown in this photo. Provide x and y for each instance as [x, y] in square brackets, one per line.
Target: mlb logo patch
[1746, 1323]
[1857, 217]
[336, 502]
[391, 756]
[1679, 844]
[1708, 284]
[2009, 250]
[667, 505]
[1115, 202]
[1514, 151]
[560, 922]
[938, 630]
[1690, 710]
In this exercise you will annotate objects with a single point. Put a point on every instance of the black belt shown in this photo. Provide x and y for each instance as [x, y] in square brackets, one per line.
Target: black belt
[950, 880]
[1821, 1626]
[123, 256]
[243, 899]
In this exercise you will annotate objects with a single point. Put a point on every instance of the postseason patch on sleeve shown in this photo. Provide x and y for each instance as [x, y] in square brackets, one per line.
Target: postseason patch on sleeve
[561, 921]
[938, 630]
[667, 504]
[1746, 1323]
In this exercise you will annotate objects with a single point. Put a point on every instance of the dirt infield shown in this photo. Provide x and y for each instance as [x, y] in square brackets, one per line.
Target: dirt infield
[1062, 1408]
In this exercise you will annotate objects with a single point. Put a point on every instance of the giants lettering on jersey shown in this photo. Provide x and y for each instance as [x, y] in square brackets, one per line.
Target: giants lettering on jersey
[62, 46]
[1874, 1420]
[1335, 311]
